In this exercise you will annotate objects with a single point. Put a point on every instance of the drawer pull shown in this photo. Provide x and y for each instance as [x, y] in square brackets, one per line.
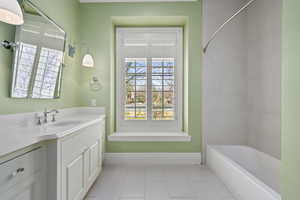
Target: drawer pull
[20, 170]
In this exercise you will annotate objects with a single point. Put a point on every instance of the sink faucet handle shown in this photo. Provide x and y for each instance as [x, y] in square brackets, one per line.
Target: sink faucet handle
[45, 115]
[38, 119]
[55, 111]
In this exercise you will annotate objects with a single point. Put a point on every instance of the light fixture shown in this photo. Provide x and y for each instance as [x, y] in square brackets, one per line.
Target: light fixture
[11, 12]
[88, 60]
[72, 50]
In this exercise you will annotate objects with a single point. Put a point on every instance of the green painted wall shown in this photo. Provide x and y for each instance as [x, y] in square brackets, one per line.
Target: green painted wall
[291, 101]
[98, 34]
[65, 13]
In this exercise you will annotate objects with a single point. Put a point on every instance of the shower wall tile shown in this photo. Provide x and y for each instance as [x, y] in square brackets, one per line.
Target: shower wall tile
[264, 76]
[224, 75]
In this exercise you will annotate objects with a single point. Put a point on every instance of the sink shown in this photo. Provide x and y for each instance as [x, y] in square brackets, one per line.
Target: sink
[67, 123]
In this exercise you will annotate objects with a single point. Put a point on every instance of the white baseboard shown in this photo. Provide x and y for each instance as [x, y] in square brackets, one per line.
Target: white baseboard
[152, 158]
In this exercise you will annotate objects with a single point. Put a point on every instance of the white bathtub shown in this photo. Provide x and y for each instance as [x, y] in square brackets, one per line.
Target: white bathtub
[248, 173]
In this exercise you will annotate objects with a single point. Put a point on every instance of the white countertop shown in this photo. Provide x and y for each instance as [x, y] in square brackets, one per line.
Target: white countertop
[20, 130]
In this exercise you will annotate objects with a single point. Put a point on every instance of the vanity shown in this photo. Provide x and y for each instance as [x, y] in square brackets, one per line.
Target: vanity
[51, 155]
[54, 161]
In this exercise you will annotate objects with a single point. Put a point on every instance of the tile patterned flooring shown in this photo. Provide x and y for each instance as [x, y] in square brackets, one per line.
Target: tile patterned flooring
[158, 182]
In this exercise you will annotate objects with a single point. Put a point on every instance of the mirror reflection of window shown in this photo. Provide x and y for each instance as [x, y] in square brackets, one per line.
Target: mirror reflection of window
[24, 70]
[38, 57]
[47, 73]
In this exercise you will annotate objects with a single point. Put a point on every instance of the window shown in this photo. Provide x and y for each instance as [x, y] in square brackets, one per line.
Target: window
[149, 79]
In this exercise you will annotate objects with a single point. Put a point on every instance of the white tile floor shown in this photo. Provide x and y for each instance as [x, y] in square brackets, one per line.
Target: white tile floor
[158, 182]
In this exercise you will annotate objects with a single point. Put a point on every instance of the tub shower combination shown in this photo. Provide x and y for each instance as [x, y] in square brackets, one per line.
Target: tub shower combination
[249, 174]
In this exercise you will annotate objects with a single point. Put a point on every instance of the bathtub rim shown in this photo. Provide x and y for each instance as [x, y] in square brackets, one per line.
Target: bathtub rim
[250, 176]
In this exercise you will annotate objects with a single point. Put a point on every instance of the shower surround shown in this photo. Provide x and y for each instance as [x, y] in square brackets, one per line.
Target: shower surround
[242, 75]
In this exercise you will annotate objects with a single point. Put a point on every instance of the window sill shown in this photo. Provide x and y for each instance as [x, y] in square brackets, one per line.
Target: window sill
[149, 137]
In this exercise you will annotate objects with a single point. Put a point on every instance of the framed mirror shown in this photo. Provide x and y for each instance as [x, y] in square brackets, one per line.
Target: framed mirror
[38, 56]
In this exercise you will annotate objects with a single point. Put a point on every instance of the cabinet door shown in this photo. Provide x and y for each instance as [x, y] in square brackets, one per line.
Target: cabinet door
[93, 167]
[73, 179]
[29, 189]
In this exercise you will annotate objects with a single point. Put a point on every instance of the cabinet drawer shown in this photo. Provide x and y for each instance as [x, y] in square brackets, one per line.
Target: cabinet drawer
[79, 142]
[21, 167]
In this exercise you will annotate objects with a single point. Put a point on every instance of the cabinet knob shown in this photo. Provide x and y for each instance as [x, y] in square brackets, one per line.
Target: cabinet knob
[19, 170]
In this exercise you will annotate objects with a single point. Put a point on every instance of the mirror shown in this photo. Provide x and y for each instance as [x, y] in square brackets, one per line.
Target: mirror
[38, 56]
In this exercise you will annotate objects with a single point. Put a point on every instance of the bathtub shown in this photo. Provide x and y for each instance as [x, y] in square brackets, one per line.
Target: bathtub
[249, 174]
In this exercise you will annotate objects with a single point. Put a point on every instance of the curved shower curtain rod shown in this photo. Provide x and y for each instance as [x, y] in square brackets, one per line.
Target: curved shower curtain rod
[224, 24]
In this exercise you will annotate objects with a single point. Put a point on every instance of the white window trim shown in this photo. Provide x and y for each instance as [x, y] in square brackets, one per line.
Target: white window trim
[150, 126]
[150, 137]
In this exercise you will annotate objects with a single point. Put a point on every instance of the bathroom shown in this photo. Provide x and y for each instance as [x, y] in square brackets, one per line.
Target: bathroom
[149, 100]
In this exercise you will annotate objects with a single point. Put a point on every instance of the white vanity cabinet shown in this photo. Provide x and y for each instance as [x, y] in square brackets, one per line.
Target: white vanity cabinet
[24, 177]
[51, 161]
[79, 162]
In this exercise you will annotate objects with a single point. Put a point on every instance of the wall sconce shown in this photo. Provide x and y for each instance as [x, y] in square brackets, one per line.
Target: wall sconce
[72, 50]
[11, 12]
[8, 45]
[88, 60]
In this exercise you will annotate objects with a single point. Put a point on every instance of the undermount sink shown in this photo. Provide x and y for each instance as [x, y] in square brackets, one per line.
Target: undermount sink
[67, 123]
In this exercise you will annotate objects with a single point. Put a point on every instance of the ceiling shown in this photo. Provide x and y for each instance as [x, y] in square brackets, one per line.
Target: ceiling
[114, 1]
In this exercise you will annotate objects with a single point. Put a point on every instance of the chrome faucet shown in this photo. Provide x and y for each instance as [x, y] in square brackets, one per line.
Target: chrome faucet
[46, 113]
